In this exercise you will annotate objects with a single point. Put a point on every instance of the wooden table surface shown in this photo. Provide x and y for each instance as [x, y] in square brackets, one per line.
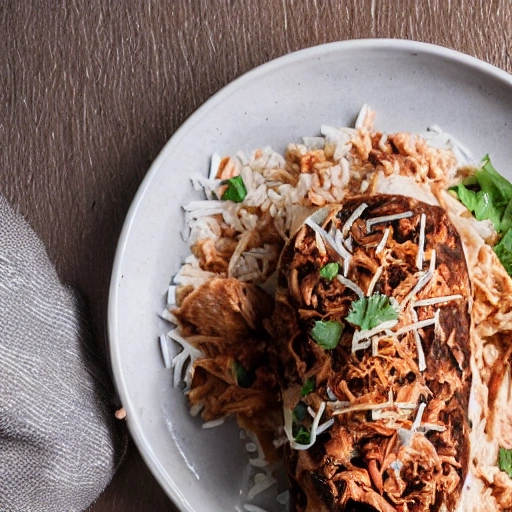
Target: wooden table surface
[91, 90]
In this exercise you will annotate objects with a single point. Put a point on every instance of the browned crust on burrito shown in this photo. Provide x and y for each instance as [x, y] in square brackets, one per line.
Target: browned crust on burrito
[378, 458]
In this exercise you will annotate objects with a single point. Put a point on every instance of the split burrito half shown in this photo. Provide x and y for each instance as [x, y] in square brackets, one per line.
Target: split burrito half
[373, 334]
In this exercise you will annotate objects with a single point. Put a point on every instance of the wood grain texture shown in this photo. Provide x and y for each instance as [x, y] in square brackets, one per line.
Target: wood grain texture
[91, 90]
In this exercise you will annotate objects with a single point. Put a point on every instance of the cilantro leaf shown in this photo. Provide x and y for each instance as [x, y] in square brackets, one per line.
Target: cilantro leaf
[505, 461]
[308, 387]
[489, 179]
[330, 271]
[243, 377]
[506, 220]
[503, 250]
[488, 195]
[236, 190]
[368, 312]
[327, 334]
[303, 436]
[479, 203]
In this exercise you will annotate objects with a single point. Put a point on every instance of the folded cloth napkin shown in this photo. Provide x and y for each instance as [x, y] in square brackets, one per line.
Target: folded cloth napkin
[60, 443]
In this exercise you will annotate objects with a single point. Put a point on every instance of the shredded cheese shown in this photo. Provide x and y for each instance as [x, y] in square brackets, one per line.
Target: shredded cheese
[325, 426]
[386, 218]
[288, 421]
[383, 241]
[341, 251]
[346, 267]
[373, 282]
[422, 365]
[405, 435]
[421, 242]
[348, 243]
[337, 409]
[350, 284]
[419, 416]
[164, 349]
[169, 317]
[360, 344]
[422, 281]
[361, 117]
[435, 300]
[361, 407]
[214, 165]
[320, 244]
[432, 264]
[332, 397]
[406, 405]
[365, 335]
[375, 346]
[339, 404]
[171, 295]
[189, 353]
[355, 215]
[384, 415]
[338, 239]
[419, 325]
[425, 427]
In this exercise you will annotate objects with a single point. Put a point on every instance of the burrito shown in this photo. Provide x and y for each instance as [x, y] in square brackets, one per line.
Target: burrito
[372, 327]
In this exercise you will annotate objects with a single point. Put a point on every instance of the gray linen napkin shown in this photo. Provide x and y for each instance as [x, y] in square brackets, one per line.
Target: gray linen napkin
[59, 441]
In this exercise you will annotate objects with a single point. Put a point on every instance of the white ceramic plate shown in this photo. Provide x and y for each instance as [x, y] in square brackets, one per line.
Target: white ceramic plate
[410, 85]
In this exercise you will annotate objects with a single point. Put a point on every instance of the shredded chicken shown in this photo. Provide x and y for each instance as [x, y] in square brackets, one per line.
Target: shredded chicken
[395, 415]
[224, 319]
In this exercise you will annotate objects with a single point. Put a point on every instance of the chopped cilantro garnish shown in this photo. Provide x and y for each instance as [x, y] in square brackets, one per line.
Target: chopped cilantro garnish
[369, 312]
[300, 431]
[327, 334]
[505, 461]
[303, 436]
[330, 271]
[480, 203]
[488, 195]
[308, 387]
[243, 378]
[236, 190]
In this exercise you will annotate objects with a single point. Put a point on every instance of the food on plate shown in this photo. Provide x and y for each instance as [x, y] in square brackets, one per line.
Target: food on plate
[349, 302]
[223, 319]
[386, 424]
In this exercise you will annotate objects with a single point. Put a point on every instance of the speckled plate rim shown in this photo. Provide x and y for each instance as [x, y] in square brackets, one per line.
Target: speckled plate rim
[390, 45]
